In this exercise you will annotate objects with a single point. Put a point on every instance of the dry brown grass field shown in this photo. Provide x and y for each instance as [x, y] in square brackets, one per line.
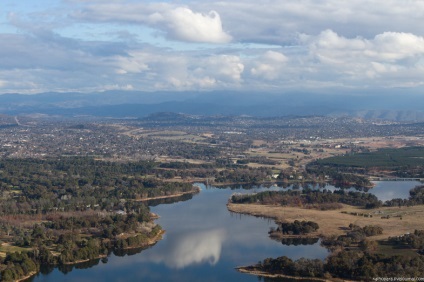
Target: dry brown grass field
[334, 222]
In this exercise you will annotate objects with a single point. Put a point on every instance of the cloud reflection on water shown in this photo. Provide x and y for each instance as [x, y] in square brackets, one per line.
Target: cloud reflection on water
[185, 250]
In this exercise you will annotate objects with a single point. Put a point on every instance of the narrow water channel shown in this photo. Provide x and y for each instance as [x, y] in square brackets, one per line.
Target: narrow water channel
[203, 242]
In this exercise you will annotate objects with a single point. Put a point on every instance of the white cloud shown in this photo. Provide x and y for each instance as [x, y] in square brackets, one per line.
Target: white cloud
[172, 70]
[276, 21]
[117, 87]
[386, 47]
[389, 59]
[134, 63]
[394, 46]
[271, 21]
[204, 73]
[227, 68]
[176, 22]
[354, 44]
[184, 24]
[270, 65]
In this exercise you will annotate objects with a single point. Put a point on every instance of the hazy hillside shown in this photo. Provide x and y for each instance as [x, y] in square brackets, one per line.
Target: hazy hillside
[141, 104]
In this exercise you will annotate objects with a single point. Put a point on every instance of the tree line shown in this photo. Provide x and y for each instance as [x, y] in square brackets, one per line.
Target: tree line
[361, 263]
[310, 198]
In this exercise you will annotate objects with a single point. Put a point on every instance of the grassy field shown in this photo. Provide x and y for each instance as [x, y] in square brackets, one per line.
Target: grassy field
[334, 222]
[386, 248]
[7, 248]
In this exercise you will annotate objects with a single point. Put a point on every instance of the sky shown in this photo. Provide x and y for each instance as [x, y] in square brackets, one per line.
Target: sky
[246, 45]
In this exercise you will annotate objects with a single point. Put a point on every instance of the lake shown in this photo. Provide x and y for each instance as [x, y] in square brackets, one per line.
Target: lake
[205, 242]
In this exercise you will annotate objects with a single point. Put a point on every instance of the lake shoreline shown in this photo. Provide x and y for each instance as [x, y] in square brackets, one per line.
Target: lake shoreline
[195, 190]
[31, 274]
[253, 271]
[151, 242]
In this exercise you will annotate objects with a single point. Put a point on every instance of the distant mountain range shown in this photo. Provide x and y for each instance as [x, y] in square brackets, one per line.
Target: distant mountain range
[390, 106]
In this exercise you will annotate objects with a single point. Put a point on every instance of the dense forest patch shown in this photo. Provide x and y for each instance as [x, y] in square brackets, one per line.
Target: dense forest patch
[356, 260]
[387, 158]
[74, 209]
[309, 198]
[402, 162]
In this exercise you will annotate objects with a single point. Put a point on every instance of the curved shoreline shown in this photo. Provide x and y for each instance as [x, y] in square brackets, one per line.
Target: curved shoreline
[196, 189]
[151, 242]
[32, 273]
[245, 269]
[83, 260]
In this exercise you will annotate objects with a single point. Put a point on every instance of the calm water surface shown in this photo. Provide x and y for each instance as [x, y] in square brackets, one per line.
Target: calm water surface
[205, 242]
[387, 190]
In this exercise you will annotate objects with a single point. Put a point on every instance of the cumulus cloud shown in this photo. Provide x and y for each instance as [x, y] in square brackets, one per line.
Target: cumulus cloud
[394, 46]
[179, 71]
[184, 24]
[134, 63]
[394, 57]
[227, 68]
[270, 65]
[385, 47]
[278, 22]
[353, 44]
[176, 22]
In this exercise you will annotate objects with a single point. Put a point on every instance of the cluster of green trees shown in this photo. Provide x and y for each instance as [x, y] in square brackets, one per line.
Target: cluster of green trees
[368, 230]
[404, 162]
[223, 170]
[241, 175]
[362, 265]
[309, 198]
[349, 263]
[298, 241]
[80, 250]
[299, 268]
[347, 180]
[414, 240]
[81, 238]
[29, 186]
[22, 264]
[356, 236]
[296, 228]
[344, 178]
[325, 199]
[18, 265]
[137, 241]
[76, 209]
[387, 158]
